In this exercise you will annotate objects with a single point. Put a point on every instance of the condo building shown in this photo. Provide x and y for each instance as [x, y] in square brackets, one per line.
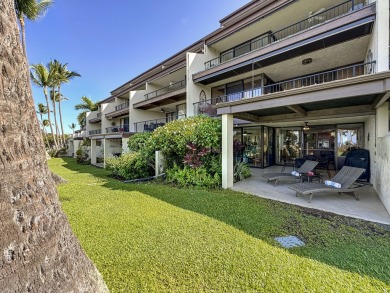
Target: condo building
[287, 77]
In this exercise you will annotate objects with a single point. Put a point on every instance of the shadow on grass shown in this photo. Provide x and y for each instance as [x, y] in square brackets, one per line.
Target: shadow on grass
[349, 244]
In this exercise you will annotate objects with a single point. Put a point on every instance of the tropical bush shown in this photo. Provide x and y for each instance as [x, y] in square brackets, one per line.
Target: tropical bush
[193, 177]
[130, 166]
[240, 171]
[138, 141]
[82, 155]
[192, 151]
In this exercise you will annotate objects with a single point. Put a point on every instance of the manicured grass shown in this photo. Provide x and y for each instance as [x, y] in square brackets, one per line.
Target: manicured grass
[155, 238]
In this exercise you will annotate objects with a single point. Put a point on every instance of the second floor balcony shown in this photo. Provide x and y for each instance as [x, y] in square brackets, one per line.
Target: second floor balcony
[151, 125]
[175, 92]
[295, 83]
[118, 129]
[120, 110]
[95, 132]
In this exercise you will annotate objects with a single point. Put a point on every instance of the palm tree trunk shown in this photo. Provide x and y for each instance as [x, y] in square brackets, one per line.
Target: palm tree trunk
[60, 112]
[39, 252]
[23, 33]
[55, 118]
[49, 117]
[46, 141]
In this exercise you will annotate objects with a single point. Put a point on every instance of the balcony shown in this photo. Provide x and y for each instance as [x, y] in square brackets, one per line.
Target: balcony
[300, 82]
[151, 125]
[207, 107]
[120, 110]
[173, 93]
[97, 119]
[118, 129]
[346, 21]
[95, 132]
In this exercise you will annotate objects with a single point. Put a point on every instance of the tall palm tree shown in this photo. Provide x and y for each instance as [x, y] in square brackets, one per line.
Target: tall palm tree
[61, 75]
[39, 252]
[32, 10]
[87, 105]
[40, 76]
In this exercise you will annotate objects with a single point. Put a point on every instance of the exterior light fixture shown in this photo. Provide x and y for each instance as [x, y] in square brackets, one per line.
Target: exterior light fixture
[307, 61]
[306, 126]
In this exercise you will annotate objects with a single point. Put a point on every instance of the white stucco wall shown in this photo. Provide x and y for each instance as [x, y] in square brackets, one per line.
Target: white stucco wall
[382, 169]
[137, 115]
[195, 63]
[379, 40]
[379, 148]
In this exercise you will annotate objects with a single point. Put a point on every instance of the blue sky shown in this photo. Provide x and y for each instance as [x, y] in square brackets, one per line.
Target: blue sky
[110, 42]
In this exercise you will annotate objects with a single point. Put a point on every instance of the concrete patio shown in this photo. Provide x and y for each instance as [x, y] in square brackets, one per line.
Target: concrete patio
[369, 207]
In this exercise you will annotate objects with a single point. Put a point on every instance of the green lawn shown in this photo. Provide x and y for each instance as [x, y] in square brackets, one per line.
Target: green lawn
[155, 238]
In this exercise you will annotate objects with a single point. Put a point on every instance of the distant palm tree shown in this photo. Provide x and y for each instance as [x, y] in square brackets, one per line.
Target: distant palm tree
[32, 10]
[87, 105]
[40, 76]
[42, 110]
[72, 126]
[61, 74]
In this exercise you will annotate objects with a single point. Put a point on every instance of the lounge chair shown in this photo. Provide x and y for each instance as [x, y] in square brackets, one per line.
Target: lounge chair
[305, 168]
[346, 177]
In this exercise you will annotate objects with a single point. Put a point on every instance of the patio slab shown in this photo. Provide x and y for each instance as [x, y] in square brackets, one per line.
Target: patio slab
[369, 207]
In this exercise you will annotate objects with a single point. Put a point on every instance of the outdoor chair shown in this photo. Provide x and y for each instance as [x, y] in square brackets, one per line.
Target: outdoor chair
[345, 178]
[307, 167]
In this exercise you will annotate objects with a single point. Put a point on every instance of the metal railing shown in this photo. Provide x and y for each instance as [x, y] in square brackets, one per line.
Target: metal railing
[150, 125]
[304, 81]
[118, 129]
[171, 88]
[122, 106]
[94, 132]
[207, 107]
[271, 37]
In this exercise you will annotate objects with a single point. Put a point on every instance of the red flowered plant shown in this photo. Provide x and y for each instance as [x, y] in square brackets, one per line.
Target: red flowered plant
[194, 155]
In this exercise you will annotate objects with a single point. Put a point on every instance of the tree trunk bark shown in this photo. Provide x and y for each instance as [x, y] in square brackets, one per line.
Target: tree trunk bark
[39, 252]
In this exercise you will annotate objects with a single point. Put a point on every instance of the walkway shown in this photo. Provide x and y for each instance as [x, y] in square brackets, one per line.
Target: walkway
[369, 207]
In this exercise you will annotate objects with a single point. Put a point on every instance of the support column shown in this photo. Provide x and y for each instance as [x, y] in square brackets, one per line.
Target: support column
[227, 151]
[93, 151]
[105, 150]
[382, 120]
[382, 36]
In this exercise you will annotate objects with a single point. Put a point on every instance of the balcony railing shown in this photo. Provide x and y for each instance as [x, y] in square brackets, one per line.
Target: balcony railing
[171, 88]
[150, 125]
[96, 131]
[319, 78]
[118, 129]
[207, 107]
[122, 106]
[290, 30]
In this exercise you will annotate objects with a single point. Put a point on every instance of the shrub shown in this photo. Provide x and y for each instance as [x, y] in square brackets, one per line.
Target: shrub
[130, 166]
[172, 138]
[193, 177]
[82, 155]
[138, 141]
[240, 171]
